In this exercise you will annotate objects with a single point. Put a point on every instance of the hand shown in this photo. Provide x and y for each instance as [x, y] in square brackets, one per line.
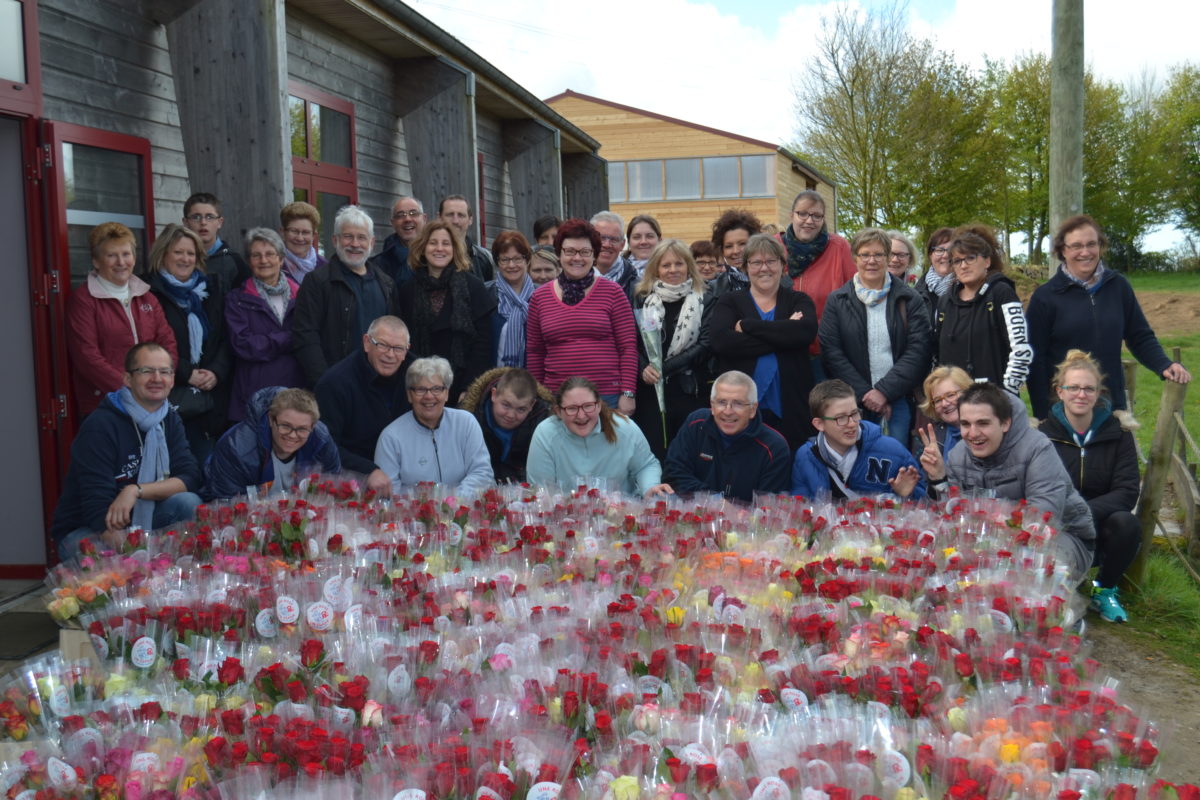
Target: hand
[121, 511]
[203, 379]
[875, 401]
[661, 490]
[1177, 373]
[931, 456]
[737, 328]
[626, 405]
[380, 483]
[650, 375]
[797, 315]
[905, 481]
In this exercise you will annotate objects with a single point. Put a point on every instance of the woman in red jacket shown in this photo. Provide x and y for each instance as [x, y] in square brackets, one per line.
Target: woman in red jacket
[110, 313]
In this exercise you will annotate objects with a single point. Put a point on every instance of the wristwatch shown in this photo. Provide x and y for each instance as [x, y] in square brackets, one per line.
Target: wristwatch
[630, 395]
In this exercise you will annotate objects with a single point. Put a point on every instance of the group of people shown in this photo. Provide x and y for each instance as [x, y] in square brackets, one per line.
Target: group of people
[796, 362]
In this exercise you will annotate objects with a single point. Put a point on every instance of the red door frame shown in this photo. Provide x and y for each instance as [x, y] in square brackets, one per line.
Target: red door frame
[25, 99]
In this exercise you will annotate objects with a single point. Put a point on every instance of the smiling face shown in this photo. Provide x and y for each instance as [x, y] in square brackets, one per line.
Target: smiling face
[180, 259]
[840, 437]
[900, 259]
[612, 239]
[1079, 392]
[265, 262]
[939, 258]
[298, 236]
[764, 269]
[439, 252]
[733, 246]
[945, 401]
[580, 411]
[428, 399]
[642, 241]
[407, 219]
[871, 261]
[808, 217]
[290, 429]
[732, 408]
[204, 220]
[354, 243]
[576, 257]
[542, 271]
[512, 266]
[382, 354]
[981, 429]
[707, 266]
[150, 390]
[672, 269]
[1081, 249]
[508, 410]
[115, 261]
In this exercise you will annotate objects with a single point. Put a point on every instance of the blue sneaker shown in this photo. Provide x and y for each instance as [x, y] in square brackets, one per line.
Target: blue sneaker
[1105, 603]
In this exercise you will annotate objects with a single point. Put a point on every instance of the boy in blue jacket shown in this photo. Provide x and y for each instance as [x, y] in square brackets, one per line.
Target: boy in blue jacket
[849, 457]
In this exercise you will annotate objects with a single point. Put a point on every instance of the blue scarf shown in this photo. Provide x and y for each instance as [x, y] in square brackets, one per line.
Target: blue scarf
[190, 296]
[514, 308]
[298, 267]
[1100, 414]
[156, 459]
[872, 297]
[217, 245]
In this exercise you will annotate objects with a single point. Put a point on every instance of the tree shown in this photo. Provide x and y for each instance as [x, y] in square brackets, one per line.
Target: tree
[1177, 112]
[1022, 124]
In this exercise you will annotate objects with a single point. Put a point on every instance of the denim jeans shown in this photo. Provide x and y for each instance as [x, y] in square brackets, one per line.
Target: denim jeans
[176, 508]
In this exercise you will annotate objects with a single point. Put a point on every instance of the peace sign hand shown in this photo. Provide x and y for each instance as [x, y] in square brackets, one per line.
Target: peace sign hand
[931, 455]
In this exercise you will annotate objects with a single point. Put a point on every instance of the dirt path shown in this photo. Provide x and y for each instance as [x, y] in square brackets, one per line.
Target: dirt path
[1170, 313]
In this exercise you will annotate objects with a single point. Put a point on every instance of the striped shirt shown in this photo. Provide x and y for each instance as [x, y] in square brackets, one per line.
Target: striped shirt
[596, 338]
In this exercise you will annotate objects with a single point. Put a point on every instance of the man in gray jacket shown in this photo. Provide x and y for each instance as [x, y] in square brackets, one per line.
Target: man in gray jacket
[1000, 455]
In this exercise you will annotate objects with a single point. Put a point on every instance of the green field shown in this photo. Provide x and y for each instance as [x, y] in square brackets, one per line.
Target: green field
[1165, 281]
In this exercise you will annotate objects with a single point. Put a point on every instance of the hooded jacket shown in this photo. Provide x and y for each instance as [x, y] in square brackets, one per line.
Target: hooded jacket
[986, 335]
[1062, 315]
[1105, 469]
[105, 458]
[700, 459]
[1027, 467]
[477, 400]
[262, 346]
[879, 459]
[242, 457]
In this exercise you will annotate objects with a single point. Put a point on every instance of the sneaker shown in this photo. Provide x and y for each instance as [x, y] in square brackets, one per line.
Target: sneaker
[1105, 603]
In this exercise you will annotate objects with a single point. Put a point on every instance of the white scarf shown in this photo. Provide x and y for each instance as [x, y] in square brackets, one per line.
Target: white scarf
[687, 327]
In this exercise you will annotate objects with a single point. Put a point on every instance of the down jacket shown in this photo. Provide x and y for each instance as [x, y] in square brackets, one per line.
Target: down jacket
[477, 400]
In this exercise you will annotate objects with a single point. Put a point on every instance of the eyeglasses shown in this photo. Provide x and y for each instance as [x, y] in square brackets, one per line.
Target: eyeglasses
[901, 256]
[948, 397]
[845, 419]
[146, 372]
[202, 217]
[297, 232]
[939, 251]
[800, 215]
[383, 347]
[617, 240]
[762, 263]
[506, 260]
[1075, 247]
[958, 262]
[292, 430]
[586, 408]
[354, 238]
[870, 257]
[421, 391]
[570, 252]
[412, 213]
[1086, 391]
[706, 262]
[731, 405]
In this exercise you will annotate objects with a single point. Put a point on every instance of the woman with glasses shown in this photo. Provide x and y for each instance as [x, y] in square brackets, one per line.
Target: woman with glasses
[765, 331]
[581, 325]
[194, 305]
[672, 308]
[258, 318]
[511, 289]
[902, 263]
[942, 388]
[279, 442]
[980, 324]
[938, 275]
[1101, 457]
[875, 336]
[433, 443]
[447, 308]
[298, 225]
[586, 441]
[1087, 305]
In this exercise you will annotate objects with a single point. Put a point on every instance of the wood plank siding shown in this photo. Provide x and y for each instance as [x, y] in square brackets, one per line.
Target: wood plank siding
[106, 66]
[499, 213]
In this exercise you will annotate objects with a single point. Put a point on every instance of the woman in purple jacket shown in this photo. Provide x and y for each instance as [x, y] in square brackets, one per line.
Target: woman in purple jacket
[259, 319]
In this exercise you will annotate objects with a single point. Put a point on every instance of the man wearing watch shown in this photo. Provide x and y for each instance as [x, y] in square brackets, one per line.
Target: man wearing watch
[130, 464]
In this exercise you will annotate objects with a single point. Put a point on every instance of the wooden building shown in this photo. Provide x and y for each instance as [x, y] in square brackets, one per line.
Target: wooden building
[119, 109]
[686, 174]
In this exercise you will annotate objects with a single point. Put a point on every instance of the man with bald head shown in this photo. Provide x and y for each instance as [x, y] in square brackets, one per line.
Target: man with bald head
[408, 217]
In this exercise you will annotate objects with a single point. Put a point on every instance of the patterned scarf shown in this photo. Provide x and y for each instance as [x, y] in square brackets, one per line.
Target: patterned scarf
[938, 284]
[453, 288]
[281, 289]
[687, 326]
[298, 267]
[872, 297]
[513, 306]
[190, 296]
[574, 289]
[1091, 285]
[801, 255]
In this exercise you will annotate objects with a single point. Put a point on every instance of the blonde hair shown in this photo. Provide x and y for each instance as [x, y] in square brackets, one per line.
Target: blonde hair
[957, 375]
[1078, 359]
[650, 275]
[167, 239]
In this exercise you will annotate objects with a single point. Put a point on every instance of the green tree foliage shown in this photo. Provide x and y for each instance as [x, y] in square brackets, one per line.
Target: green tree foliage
[1177, 112]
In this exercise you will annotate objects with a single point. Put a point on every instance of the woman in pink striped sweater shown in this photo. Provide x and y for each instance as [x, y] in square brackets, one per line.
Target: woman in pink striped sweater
[581, 324]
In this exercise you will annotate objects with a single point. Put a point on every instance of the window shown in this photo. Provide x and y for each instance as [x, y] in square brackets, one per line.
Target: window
[20, 58]
[616, 182]
[721, 177]
[645, 180]
[324, 164]
[756, 176]
[683, 178]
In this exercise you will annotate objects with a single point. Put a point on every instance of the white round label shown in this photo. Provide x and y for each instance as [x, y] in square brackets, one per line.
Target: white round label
[62, 775]
[771, 788]
[143, 762]
[398, 681]
[100, 645]
[143, 653]
[546, 790]
[264, 624]
[60, 700]
[175, 597]
[409, 794]
[216, 595]
[892, 765]
[354, 617]
[794, 698]
[319, 616]
[287, 609]
[332, 590]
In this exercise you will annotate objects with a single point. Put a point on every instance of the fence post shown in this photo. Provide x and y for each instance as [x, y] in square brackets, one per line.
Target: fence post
[1155, 480]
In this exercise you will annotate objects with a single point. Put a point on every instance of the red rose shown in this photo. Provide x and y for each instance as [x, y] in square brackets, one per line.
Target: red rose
[428, 651]
[963, 665]
[296, 691]
[706, 777]
[181, 669]
[150, 712]
[233, 721]
[217, 751]
[231, 671]
[311, 652]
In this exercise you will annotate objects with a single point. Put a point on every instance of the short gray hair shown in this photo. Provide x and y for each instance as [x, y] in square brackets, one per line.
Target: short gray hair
[609, 216]
[761, 243]
[735, 378]
[264, 235]
[387, 321]
[426, 368]
[914, 257]
[353, 215]
[420, 205]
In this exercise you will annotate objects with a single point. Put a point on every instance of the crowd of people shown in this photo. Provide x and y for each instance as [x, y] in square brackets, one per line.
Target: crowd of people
[603, 353]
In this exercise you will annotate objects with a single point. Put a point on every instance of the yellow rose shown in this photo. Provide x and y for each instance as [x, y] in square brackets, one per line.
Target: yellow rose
[1010, 752]
[675, 615]
[205, 703]
[957, 718]
[625, 788]
[555, 709]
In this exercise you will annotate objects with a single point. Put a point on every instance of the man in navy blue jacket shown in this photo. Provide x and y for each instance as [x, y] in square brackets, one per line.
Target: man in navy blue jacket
[130, 464]
[726, 448]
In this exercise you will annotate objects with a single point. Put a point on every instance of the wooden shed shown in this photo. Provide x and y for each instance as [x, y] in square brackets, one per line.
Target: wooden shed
[120, 109]
[685, 174]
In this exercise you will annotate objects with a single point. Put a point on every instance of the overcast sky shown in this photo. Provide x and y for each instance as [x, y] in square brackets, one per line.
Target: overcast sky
[731, 64]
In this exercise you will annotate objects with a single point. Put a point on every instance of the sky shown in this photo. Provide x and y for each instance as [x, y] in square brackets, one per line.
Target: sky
[732, 64]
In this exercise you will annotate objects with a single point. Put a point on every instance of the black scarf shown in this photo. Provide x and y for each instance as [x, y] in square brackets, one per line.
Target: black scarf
[462, 326]
[801, 255]
[574, 289]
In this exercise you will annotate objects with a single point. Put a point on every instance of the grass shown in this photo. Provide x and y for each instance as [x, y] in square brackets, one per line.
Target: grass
[1188, 282]
[1164, 613]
